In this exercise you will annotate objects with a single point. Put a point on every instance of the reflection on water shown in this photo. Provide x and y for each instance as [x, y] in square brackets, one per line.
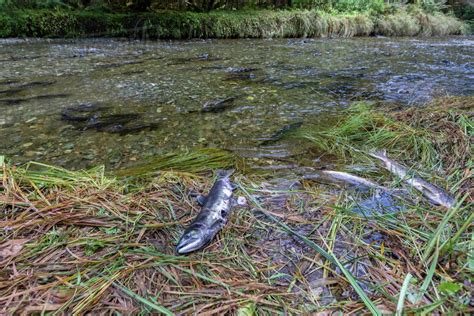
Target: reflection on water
[84, 102]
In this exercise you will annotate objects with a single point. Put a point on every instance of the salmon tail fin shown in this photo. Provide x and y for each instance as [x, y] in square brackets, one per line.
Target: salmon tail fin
[225, 173]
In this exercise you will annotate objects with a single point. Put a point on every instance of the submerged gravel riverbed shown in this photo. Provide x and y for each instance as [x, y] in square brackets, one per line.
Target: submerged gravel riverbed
[79, 103]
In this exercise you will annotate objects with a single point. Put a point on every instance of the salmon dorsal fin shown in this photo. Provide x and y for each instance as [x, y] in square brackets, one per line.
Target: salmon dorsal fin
[201, 200]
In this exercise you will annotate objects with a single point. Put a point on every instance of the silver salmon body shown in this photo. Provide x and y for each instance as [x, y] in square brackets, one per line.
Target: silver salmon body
[344, 177]
[213, 216]
[436, 195]
[351, 179]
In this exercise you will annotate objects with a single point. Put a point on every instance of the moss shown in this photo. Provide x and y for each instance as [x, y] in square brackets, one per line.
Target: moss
[222, 24]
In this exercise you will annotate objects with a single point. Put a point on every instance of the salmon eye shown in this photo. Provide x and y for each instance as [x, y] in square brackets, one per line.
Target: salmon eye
[193, 234]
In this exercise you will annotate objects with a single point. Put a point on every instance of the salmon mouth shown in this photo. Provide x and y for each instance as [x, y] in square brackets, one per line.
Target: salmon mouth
[190, 242]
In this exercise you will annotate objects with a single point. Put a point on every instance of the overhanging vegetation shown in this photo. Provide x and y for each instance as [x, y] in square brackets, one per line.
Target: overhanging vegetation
[181, 19]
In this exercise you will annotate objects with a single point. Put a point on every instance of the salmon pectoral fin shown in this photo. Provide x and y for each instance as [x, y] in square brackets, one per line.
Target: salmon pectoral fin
[201, 200]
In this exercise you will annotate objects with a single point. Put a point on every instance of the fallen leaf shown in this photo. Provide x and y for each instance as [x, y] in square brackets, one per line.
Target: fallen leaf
[61, 295]
[449, 287]
[11, 248]
[40, 308]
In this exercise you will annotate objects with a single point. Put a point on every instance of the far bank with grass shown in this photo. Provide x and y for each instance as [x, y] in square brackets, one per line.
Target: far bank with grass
[224, 24]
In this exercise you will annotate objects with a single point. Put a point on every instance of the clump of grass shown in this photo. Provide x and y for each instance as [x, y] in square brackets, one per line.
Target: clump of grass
[449, 124]
[194, 161]
[363, 129]
[437, 24]
[400, 24]
[429, 134]
[415, 22]
[436, 138]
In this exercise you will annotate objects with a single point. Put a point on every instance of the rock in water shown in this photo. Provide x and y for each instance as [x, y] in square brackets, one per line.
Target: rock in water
[281, 133]
[94, 116]
[218, 105]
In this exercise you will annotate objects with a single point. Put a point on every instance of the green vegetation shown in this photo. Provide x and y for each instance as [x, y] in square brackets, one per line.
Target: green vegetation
[465, 12]
[83, 241]
[219, 19]
[195, 161]
[439, 142]
[222, 24]
[209, 5]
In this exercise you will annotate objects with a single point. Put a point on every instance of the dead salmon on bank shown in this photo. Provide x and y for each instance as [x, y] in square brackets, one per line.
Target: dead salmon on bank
[436, 195]
[344, 177]
[214, 215]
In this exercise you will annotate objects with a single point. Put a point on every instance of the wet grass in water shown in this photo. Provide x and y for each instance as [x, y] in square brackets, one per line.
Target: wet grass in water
[81, 241]
[435, 139]
[194, 161]
[364, 129]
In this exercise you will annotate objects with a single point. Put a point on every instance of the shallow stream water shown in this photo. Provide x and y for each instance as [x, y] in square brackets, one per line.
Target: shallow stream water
[79, 103]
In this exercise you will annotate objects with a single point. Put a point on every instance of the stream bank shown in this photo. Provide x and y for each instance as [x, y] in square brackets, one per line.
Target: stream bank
[224, 24]
[112, 239]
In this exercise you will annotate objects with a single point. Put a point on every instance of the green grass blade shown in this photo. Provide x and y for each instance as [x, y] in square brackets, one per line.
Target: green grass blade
[429, 277]
[403, 293]
[441, 226]
[448, 244]
[143, 300]
[427, 309]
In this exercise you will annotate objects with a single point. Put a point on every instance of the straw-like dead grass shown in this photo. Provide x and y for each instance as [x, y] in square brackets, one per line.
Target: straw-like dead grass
[81, 242]
[75, 242]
